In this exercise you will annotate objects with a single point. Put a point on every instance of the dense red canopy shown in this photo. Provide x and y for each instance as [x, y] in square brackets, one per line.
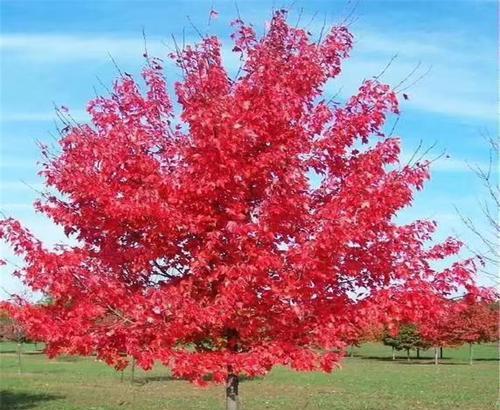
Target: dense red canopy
[204, 240]
[463, 321]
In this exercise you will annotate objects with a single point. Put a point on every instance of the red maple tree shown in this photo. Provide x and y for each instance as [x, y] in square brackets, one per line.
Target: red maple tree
[205, 240]
[436, 329]
[477, 323]
[10, 330]
[472, 319]
[465, 321]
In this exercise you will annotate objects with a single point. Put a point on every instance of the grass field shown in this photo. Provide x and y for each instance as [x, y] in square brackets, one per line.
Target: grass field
[369, 380]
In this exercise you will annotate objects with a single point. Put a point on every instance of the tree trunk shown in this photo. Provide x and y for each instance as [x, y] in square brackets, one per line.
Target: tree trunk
[441, 354]
[470, 353]
[418, 353]
[351, 351]
[393, 353]
[132, 371]
[436, 360]
[19, 367]
[232, 398]
[408, 355]
[232, 381]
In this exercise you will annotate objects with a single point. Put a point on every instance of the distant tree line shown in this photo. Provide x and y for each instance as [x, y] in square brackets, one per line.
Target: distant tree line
[461, 324]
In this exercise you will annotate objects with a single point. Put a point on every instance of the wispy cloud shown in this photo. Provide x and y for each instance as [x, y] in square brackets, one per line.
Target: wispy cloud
[458, 165]
[77, 115]
[448, 164]
[15, 206]
[458, 83]
[454, 81]
[42, 228]
[9, 163]
[60, 48]
[17, 186]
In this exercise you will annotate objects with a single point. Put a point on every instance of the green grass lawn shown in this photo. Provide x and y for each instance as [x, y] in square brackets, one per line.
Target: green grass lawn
[369, 380]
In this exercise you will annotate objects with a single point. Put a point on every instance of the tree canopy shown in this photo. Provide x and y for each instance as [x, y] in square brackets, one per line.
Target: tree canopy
[249, 224]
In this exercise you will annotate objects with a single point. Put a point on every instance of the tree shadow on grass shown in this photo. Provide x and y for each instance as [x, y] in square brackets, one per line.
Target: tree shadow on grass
[19, 400]
[423, 360]
[148, 379]
[492, 359]
[445, 361]
[245, 379]
[382, 359]
[23, 353]
[428, 362]
[167, 378]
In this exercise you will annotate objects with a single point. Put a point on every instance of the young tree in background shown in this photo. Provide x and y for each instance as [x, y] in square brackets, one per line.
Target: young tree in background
[407, 338]
[373, 333]
[204, 236]
[473, 323]
[391, 340]
[11, 330]
[468, 320]
[436, 330]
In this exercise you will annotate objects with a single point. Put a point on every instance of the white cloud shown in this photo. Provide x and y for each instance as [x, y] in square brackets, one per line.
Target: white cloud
[44, 230]
[17, 163]
[456, 165]
[458, 83]
[444, 162]
[17, 186]
[49, 47]
[61, 48]
[16, 206]
[448, 164]
[449, 90]
[77, 115]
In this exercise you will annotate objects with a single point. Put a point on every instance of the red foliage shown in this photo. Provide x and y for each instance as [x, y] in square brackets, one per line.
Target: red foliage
[463, 321]
[203, 242]
[10, 329]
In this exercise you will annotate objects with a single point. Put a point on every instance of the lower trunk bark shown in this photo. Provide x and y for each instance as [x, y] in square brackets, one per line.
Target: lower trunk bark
[19, 349]
[232, 398]
[408, 355]
[441, 354]
[418, 353]
[393, 353]
[132, 371]
[436, 360]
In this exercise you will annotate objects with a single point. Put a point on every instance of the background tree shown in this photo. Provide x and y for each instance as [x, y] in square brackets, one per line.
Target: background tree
[407, 338]
[12, 331]
[391, 340]
[436, 330]
[474, 323]
[373, 333]
[255, 228]
[464, 320]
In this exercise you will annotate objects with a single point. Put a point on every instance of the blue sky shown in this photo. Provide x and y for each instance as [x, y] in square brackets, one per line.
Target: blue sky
[54, 51]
